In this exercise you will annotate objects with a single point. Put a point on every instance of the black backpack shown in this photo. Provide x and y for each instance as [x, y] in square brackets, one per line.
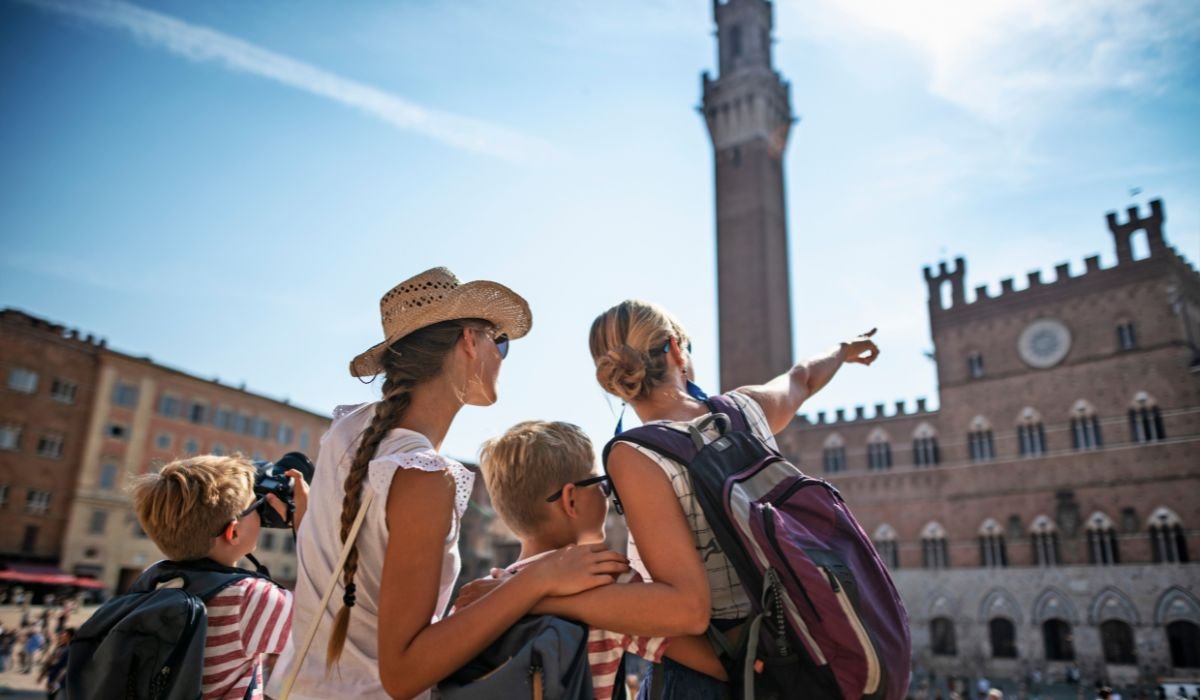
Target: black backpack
[148, 643]
[540, 657]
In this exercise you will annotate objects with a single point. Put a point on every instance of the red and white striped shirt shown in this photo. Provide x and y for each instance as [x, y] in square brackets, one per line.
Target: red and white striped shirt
[605, 648]
[247, 619]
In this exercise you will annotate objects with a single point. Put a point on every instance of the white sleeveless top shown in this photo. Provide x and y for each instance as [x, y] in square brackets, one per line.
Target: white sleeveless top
[319, 544]
[729, 601]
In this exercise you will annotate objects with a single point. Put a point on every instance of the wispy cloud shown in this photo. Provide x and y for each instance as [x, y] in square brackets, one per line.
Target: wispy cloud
[1016, 62]
[204, 45]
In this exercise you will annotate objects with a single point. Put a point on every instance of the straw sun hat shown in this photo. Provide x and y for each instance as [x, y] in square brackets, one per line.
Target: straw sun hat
[436, 295]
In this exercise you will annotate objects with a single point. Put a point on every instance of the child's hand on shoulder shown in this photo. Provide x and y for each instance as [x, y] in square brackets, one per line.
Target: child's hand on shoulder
[577, 568]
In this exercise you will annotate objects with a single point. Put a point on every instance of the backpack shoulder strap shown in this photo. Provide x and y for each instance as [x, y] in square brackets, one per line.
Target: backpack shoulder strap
[721, 403]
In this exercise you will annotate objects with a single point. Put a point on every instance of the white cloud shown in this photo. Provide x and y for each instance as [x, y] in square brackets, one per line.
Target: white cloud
[204, 45]
[1015, 61]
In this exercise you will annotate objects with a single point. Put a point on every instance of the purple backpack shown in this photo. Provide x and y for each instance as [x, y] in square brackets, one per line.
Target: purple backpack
[827, 620]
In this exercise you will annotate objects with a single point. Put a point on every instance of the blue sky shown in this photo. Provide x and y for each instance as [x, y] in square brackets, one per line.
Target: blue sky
[229, 187]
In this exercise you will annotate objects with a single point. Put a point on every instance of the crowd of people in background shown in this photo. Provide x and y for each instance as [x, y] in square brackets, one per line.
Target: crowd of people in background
[38, 643]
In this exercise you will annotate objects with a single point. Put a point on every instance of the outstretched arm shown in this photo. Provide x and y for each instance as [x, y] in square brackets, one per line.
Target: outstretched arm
[781, 397]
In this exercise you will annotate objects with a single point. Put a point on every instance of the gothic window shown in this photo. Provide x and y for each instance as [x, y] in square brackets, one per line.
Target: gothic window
[1060, 643]
[885, 544]
[1102, 540]
[1085, 427]
[1116, 637]
[941, 636]
[833, 456]
[925, 446]
[1126, 338]
[980, 447]
[1145, 420]
[1003, 635]
[879, 450]
[1184, 639]
[1031, 434]
[992, 553]
[975, 365]
[1167, 541]
[1044, 537]
[934, 552]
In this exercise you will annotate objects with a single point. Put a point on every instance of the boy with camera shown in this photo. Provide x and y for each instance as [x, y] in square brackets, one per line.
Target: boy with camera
[205, 513]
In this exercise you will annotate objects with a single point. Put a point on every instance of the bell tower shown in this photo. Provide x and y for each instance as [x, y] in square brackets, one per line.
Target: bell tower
[747, 108]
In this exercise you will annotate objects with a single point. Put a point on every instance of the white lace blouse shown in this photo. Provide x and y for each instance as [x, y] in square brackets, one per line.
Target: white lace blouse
[319, 544]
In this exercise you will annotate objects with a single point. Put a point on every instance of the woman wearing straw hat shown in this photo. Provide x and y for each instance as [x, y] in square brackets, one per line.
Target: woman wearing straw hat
[643, 356]
[386, 503]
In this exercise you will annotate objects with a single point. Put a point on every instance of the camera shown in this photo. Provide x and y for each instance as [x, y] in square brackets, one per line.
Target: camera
[271, 477]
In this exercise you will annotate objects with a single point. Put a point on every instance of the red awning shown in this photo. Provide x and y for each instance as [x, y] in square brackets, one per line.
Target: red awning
[46, 575]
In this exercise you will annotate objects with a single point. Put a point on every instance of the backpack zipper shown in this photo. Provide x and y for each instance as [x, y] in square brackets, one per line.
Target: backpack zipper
[810, 643]
[860, 631]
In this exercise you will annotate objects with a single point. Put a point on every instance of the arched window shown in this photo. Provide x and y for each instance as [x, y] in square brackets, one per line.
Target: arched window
[925, 446]
[941, 637]
[1003, 635]
[1102, 540]
[885, 544]
[1060, 643]
[879, 450]
[1116, 637]
[934, 553]
[1184, 639]
[979, 440]
[1145, 420]
[1167, 540]
[992, 553]
[1085, 427]
[1031, 434]
[1044, 537]
[834, 455]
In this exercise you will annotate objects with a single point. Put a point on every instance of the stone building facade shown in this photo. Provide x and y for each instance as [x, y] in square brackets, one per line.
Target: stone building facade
[145, 414]
[79, 420]
[49, 374]
[1046, 515]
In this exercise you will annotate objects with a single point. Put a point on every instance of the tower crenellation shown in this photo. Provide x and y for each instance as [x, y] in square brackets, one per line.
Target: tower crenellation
[1094, 274]
[1123, 232]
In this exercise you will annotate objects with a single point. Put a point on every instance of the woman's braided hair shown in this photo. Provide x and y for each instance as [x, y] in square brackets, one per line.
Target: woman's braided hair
[626, 343]
[410, 361]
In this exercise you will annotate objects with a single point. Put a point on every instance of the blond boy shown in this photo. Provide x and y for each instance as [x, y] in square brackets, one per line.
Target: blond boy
[545, 484]
[205, 508]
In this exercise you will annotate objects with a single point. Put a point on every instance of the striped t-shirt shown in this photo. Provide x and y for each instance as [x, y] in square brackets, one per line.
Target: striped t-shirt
[247, 619]
[606, 648]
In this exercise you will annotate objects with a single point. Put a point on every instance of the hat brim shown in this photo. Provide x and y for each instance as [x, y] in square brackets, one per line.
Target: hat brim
[490, 301]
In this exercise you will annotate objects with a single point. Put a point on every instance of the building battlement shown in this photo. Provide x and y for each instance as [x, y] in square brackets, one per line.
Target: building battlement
[859, 416]
[1160, 252]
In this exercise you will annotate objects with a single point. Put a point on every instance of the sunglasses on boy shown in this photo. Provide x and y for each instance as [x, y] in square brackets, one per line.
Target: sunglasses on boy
[257, 505]
[602, 480]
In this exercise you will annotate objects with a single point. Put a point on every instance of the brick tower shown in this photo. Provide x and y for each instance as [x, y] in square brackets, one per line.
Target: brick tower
[748, 112]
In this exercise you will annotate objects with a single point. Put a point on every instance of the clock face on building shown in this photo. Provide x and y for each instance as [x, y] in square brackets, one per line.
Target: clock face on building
[1044, 343]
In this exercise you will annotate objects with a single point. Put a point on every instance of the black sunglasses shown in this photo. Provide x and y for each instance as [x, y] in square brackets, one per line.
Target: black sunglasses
[257, 505]
[602, 480]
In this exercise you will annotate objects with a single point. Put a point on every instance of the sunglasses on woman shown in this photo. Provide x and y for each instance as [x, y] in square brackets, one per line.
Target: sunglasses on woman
[602, 480]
